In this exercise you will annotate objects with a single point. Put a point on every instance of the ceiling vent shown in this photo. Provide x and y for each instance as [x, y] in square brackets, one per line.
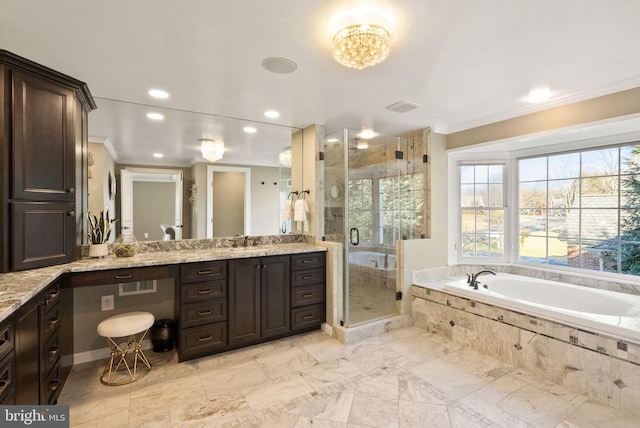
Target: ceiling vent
[280, 65]
[402, 106]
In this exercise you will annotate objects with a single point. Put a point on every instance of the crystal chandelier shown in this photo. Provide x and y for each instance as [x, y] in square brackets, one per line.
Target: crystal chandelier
[212, 150]
[362, 45]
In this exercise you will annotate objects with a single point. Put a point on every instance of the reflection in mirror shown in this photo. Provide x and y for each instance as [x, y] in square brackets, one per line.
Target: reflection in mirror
[151, 203]
[121, 132]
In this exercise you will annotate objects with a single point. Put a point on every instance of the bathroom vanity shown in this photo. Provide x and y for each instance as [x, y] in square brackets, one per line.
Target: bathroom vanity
[225, 298]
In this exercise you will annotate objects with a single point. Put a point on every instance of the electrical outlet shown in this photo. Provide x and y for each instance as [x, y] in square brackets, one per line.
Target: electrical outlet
[106, 303]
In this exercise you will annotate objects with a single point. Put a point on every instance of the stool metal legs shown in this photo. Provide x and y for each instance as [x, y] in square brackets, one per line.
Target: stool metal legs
[121, 361]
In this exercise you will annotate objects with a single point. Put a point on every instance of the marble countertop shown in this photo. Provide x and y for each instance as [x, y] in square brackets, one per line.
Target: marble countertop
[16, 288]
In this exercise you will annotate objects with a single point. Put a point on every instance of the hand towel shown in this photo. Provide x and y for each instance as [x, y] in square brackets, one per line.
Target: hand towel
[300, 210]
[286, 214]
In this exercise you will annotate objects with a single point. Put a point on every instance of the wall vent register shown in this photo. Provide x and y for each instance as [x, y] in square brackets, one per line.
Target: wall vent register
[137, 287]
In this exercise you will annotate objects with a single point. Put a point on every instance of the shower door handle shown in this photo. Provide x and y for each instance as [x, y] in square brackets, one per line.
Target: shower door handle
[283, 229]
[357, 240]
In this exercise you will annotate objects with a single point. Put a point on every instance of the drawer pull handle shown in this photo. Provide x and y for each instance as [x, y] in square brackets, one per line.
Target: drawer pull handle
[204, 339]
[204, 312]
[53, 322]
[54, 384]
[129, 276]
[307, 317]
[306, 296]
[204, 272]
[307, 261]
[4, 385]
[209, 291]
[52, 297]
[307, 277]
[53, 351]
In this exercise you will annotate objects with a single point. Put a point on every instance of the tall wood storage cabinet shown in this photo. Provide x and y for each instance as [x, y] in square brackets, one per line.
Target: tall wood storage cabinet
[43, 143]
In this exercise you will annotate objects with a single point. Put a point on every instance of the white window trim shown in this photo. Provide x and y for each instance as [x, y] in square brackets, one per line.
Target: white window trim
[458, 157]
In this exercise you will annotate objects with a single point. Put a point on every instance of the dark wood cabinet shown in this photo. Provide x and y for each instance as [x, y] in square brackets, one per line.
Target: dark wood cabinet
[7, 362]
[225, 305]
[27, 353]
[244, 301]
[275, 286]
[43, 157]
[39, 376]
[308, 286]
[201, 309]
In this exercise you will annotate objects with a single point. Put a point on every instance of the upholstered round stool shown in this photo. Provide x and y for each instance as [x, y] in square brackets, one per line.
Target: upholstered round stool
[127, 363]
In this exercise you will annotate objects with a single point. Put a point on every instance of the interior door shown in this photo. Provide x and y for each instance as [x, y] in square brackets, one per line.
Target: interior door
[126, 201]
[178, 224]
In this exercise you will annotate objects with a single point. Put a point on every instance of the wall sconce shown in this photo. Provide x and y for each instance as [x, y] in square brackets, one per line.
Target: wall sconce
[193, 190]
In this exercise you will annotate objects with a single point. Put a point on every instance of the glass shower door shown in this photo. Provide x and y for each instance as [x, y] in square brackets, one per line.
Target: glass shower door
[372, 231]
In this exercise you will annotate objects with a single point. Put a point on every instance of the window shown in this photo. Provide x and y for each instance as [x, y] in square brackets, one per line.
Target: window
[581, 209]
[482, 210]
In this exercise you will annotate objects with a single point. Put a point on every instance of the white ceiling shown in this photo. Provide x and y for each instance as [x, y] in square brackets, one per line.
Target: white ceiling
[466, 62]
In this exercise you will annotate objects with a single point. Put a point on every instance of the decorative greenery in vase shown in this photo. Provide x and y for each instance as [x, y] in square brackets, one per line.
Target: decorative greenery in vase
[99, 227]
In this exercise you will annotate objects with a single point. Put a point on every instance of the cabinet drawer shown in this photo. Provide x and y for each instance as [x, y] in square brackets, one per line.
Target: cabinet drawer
[307, 261]
[307, 295]
[203, 340]
[307, 316]
[51, 387]
[7, 380]
[50, 354]
[307, 277]
[6, 337]
[203, 291]
[206, 271]
[116, 276]
[50, 322]
[194, 314]
[51, 297]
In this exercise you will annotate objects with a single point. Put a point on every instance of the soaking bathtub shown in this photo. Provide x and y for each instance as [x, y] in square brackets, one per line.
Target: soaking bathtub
[373, 259]
[601, 311]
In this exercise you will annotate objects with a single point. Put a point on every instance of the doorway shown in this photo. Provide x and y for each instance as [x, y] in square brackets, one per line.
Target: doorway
[150, 199]
[229, 206]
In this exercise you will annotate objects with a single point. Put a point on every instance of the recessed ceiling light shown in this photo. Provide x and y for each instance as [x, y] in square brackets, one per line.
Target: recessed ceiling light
[158, 155]
[155, 116]
[272, 114]
[159, 93]
[249, 129]
[280, 65]
[539, 95]
[332, 140]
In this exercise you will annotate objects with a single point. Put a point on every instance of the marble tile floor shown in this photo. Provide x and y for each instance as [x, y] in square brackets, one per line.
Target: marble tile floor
[404, 378]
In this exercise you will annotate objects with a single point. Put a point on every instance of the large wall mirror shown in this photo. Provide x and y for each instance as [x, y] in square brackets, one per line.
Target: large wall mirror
[181, 195]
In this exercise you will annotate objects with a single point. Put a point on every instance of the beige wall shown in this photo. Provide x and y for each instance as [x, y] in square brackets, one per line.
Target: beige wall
[153, 205]
[228, 203]
[87, 314]
[98, 197]
[600, 108]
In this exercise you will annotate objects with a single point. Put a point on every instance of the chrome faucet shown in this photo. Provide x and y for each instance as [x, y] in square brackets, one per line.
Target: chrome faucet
[473, 279]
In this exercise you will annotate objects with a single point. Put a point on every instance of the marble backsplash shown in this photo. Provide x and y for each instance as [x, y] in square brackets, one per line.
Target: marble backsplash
[212, 243]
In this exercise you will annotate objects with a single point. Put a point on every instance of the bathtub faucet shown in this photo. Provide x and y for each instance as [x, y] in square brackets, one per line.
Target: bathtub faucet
[474, 277]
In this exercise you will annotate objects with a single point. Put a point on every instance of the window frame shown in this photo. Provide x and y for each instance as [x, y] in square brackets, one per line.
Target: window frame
[512, 202]
[505, 207]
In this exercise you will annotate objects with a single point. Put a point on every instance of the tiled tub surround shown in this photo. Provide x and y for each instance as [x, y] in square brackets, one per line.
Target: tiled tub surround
[602, 366]
[16, 288]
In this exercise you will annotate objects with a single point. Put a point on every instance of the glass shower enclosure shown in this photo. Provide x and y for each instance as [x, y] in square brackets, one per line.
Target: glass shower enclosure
[374, 196]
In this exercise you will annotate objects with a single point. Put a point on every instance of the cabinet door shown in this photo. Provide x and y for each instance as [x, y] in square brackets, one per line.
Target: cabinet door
[43, 140]
[43, 234]
[27, 354]
[244, 300]
[275, 298]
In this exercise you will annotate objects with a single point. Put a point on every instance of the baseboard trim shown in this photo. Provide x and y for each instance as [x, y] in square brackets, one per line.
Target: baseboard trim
[101, 354]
